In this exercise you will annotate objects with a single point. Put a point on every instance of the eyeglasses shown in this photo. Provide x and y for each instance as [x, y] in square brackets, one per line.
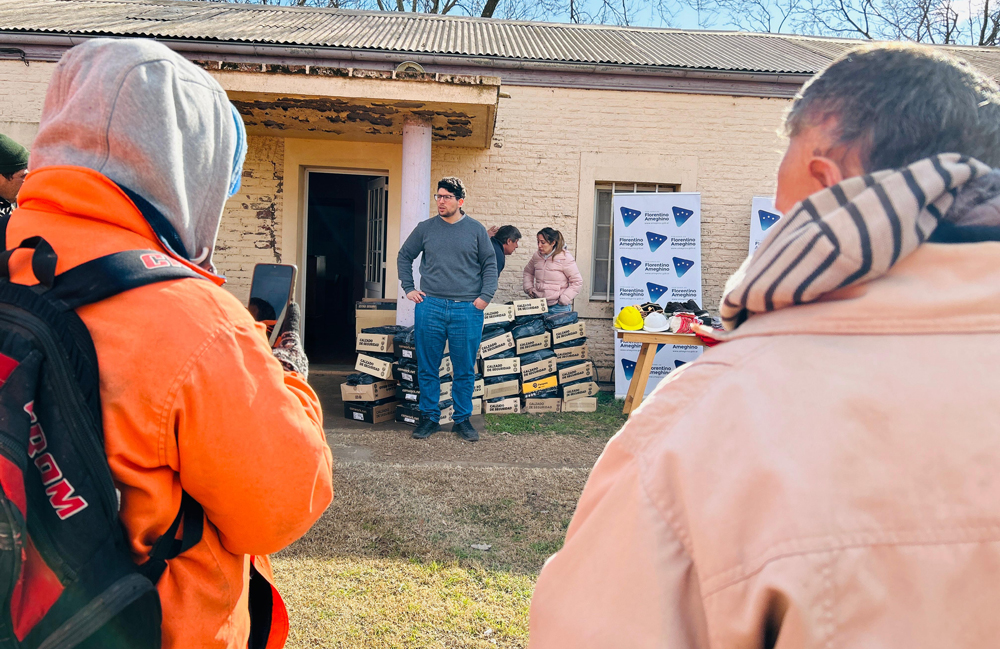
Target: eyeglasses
[443, 197]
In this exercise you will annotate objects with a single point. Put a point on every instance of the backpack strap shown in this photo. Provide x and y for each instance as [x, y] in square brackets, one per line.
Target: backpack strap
[168, 546]
[110, 275]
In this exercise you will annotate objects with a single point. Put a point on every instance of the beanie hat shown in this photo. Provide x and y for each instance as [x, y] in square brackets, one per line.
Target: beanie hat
[13, 156]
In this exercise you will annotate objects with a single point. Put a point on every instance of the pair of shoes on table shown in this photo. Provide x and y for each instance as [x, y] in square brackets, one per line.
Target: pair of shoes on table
[463, 429]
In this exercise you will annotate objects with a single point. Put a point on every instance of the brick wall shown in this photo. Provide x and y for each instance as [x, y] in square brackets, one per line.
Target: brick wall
[251, 224]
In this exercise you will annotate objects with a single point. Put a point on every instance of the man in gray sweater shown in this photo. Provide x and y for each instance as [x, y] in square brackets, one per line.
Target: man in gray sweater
[458, 277]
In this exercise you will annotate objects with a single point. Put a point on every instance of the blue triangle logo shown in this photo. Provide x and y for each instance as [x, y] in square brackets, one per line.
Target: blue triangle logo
[655, 240]
[630, 265]
[659, 347]
[681, 215]
[629, 367]
[629, 216]
[682, 266]
[656, 291]
[679, 363]
[767, 219]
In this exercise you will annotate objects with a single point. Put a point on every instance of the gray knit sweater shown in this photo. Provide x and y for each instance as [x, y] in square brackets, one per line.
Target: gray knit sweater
[458, 261]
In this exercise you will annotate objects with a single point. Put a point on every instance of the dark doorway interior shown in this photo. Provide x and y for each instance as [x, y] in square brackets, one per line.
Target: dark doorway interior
[335, 264]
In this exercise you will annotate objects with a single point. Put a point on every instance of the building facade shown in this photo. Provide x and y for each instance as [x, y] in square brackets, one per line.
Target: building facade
[347, 137]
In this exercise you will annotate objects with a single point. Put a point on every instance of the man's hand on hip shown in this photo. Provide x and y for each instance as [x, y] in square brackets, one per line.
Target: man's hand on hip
[481, 303]
[415, 296]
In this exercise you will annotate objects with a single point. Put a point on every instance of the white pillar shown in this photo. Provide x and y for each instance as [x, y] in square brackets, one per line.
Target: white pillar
[415, 192]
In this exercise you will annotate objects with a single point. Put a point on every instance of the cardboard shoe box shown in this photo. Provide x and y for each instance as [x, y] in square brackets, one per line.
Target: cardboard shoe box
[576, 353]
[402, 374]
[374, 313]
[375, 392]
[374, 343]
[446, 366]
[505, 389]
[542, 405]
[446, 415]
[370, 412]
[477, 406]
[478, 388]
[541, 368]
[543, 383]
[569, 332]
[577, 372]
[533, 343]
[408, 414]
[410, 351]
[580, 391]
[412, 395]
[496, 345]
[530, 307]
[498, 314]
[500, 366]
[408, 395]
[511, 405]
[374, 367]
[585, 404]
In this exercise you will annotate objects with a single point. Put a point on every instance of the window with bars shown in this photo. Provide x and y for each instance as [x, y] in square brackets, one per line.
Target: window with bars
[602, 283]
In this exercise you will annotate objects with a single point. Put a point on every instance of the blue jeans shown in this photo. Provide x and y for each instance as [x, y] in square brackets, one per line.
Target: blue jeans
[461, 324]
[560, 308]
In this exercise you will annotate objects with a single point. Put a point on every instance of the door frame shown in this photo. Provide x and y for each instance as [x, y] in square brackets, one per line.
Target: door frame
[303, 223]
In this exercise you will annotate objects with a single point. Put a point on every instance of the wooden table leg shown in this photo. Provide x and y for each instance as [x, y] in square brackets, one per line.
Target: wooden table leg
[640, 376]
[643, 370]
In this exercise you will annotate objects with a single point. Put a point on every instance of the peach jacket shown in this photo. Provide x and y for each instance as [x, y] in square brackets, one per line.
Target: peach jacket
[830, 477]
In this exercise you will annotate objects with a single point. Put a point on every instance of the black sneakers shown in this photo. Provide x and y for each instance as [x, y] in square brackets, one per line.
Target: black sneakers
[426, 428]
[465, 430]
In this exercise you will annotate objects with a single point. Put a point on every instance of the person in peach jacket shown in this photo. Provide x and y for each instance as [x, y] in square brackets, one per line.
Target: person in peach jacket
[829, 475]
[552, 273]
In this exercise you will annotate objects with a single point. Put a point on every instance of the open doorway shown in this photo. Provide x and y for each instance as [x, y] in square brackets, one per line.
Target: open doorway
[345, 258]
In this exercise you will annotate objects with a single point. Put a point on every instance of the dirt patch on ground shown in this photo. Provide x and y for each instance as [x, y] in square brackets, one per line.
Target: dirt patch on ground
[391, 563]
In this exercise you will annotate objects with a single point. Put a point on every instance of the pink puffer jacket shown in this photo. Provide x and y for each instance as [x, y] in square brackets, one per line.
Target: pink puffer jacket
[557, 278]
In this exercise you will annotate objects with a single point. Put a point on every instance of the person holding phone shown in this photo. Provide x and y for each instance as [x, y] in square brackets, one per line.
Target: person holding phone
[139, 149]
[458, 277]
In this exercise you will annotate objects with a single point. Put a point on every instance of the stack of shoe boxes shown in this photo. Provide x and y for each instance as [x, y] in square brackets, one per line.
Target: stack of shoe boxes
[533, 344]
[370, 395]
[404, 370]
[499, 364]
[574, 369]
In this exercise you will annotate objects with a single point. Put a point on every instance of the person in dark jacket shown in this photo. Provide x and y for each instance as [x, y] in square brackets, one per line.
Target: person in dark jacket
[504, 241]
[13, 169]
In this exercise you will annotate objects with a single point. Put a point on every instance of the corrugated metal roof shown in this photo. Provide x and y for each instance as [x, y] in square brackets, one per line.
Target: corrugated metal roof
[431, 34]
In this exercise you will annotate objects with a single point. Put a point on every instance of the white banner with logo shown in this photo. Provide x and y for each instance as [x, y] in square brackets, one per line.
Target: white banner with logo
[657, 259]
[762, 217]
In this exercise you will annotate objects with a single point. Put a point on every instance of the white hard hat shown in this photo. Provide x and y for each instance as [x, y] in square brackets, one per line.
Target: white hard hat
[656, 322]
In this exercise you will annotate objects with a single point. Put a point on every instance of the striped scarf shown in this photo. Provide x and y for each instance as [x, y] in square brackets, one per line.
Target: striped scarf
[849, 233]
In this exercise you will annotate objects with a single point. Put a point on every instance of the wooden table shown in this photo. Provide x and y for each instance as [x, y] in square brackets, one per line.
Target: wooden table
[643, 364]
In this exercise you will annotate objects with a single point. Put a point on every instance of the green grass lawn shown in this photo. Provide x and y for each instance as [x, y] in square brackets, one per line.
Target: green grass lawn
[604, 423]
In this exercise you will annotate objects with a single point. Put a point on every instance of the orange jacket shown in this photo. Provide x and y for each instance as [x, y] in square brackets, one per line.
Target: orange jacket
[192, 398]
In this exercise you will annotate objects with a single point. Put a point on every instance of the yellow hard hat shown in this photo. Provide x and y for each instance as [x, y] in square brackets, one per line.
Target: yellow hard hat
[629, 319]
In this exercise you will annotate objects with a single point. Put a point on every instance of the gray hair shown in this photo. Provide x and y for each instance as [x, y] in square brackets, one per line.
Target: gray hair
[896, 104]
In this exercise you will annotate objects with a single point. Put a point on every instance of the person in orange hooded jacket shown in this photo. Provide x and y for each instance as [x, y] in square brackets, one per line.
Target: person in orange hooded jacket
[136, 149]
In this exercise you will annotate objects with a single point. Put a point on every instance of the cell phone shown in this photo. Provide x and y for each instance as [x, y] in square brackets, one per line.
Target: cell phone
[270, 294]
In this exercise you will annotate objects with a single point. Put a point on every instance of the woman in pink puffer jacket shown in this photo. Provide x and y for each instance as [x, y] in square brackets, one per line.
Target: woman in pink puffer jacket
[552, 273]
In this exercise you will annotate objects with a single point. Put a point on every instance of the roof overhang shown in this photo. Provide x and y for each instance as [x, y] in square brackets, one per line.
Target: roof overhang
[359, 104]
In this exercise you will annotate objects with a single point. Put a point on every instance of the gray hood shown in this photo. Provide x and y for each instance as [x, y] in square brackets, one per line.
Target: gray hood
[152, 122]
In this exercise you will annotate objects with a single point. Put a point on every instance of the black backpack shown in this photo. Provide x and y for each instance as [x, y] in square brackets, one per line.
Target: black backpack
[67, 578]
